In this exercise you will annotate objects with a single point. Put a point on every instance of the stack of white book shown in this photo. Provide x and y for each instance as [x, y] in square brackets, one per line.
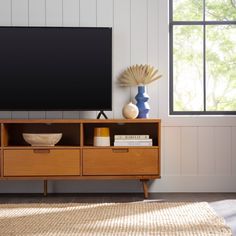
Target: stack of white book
[132, 140]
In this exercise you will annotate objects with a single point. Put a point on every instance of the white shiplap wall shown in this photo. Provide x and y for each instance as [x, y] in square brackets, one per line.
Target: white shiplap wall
[198, 153]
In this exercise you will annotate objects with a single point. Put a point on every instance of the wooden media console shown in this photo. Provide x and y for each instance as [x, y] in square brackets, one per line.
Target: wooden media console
[75, 156]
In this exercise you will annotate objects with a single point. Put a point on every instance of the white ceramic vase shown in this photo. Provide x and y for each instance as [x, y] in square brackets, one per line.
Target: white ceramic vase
[130, 111]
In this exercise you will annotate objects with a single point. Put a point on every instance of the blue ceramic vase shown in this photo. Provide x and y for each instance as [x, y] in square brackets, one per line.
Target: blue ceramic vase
[142, 104]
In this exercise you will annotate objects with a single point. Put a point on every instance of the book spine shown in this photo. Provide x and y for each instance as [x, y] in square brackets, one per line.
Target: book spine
[133, 140]
[133, 143]
[125, 137]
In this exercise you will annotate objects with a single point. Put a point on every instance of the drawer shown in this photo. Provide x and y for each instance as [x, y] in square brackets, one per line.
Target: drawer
[127, 161]
[41, 162]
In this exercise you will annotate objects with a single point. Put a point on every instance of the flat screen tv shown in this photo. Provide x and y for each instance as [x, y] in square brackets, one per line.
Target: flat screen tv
[55, 68]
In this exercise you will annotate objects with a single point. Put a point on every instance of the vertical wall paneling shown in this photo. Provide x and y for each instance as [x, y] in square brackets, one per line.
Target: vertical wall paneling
[5, 12]
[163, 33]
[206, 150]
[152, 54]
[54, 114]
[172, 151]
[88, 13]
[19, 114]
[207, 155]
[37, 114]
[71, 12]
[54, 12]
[138, 32]
[189, 150]
[70, 115]
[152, 32]
[233, 151]
[5, 115]
[105, 13]
[121, 52]
[20, 13]
[37, 13]
[105, 19]
[88, 18]
[223, 150]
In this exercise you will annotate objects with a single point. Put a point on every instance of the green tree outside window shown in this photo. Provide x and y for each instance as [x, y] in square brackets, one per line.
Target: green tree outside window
[203, 56]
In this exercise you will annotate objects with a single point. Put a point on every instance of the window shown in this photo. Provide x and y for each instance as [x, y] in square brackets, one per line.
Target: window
[202, 57]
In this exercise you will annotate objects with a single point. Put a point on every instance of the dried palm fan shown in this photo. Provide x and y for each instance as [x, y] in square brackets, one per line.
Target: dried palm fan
[138, 75]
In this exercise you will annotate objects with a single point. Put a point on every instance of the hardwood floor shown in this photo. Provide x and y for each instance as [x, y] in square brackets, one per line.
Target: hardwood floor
[223, 203]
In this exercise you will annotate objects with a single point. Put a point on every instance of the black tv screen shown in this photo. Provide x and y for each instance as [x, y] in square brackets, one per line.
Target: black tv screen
[55, 68]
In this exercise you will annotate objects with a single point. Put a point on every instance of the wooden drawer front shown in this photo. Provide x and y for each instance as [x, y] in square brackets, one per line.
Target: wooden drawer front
[41, 162]
[129, 161]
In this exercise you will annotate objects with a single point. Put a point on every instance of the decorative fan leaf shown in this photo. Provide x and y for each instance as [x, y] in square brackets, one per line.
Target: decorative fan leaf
[138, 75]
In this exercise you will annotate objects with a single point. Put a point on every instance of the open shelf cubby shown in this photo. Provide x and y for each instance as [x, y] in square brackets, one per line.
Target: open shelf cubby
[13, 133]
[121, 128]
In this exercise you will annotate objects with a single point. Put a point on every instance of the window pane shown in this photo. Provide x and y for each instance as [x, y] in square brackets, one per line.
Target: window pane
[187, 10]
[188, 68]
[221, 67]
[221, 10]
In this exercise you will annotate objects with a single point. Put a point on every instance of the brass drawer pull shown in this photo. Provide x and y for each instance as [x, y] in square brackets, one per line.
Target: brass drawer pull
[123, 150]
[41, 151]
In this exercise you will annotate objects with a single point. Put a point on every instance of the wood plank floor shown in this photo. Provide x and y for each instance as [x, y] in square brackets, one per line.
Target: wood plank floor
[223, 203]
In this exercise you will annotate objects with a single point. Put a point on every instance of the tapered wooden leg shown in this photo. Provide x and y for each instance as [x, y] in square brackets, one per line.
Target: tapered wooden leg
[45, 185]
[145, 187]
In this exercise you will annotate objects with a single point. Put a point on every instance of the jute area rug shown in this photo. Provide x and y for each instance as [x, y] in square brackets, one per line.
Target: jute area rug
[136, 218]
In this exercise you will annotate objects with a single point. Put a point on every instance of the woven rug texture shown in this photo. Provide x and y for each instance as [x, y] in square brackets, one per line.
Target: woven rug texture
[136, 218]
